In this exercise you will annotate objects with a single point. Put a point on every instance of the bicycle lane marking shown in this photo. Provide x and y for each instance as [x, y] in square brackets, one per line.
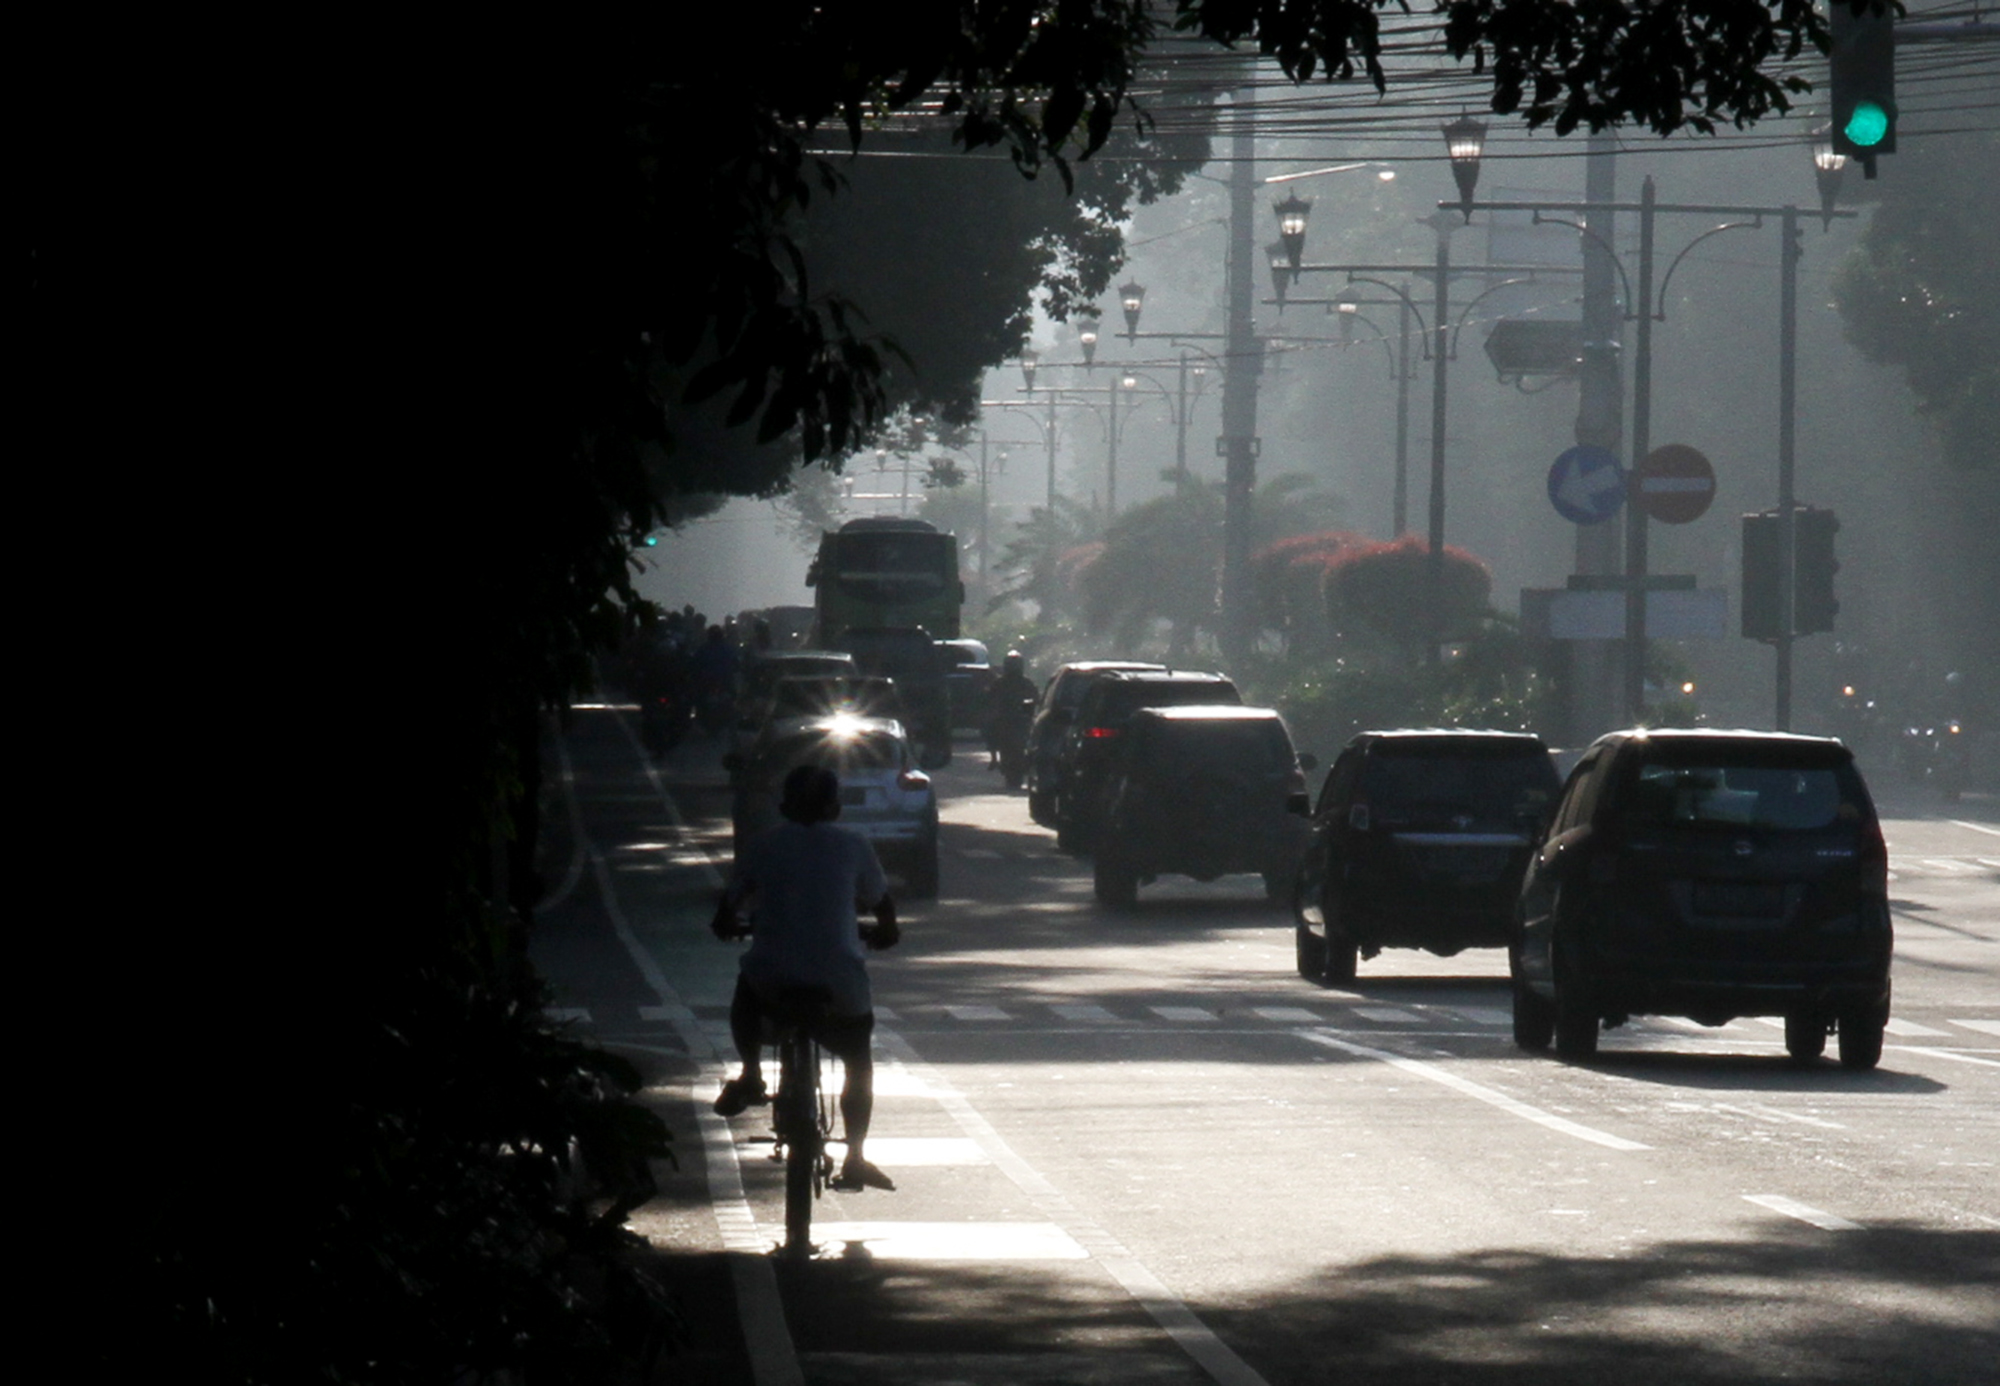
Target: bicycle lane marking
[1179, 1322]
[1511, 1105]
[767, 1338]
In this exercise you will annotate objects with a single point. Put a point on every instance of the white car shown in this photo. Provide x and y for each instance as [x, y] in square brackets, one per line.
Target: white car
[883, 794]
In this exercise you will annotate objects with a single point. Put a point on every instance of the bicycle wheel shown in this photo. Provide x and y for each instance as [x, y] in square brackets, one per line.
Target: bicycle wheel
[799, 1094]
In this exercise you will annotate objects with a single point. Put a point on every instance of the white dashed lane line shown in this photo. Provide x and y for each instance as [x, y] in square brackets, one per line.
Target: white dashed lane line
[1804, 1212]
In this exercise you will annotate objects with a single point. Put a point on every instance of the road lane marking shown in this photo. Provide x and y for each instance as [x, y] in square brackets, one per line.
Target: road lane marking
[1911, 1029]
[976, 1013]
[1290, 1014]
[885, 1016]
[1949, 1054]
[1511, 1105]
[1085, 1014]
[948, 1241]
[1773, 1114]
[1181, 1324]
[1792, 1208]
[1976, 827]
[1984, 1027]
[1186, 1015]
[1388, 1015]
[1484, 1015]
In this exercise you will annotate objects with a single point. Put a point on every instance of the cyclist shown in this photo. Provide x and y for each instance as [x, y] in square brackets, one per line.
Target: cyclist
[805, 879]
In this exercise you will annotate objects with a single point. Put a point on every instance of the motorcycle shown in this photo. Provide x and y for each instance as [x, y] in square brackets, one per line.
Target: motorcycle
[1938, 756]
[1010, 738]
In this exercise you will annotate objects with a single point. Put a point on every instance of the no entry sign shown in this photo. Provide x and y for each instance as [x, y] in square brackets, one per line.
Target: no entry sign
[1674, 484]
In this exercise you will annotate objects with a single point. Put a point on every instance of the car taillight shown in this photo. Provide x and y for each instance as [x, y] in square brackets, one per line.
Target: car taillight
[913, 779]
[1100, 733]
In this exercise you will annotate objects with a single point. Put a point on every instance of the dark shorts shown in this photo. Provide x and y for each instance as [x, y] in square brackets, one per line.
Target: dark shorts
[846, 1037]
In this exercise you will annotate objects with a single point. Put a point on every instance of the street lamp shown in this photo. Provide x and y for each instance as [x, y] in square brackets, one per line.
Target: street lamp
[1132, 298]
[1029, 360]
[1292, 214]
[1828, 165]
[1465, 140]
[1086, 337]
[1284, 269]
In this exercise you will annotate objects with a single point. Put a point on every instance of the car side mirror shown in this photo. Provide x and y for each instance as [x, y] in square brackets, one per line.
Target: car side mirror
[1299, 803]
[1357, 818]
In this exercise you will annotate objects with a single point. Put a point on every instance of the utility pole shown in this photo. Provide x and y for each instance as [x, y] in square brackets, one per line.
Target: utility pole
[1599, 423]
[1241, 363]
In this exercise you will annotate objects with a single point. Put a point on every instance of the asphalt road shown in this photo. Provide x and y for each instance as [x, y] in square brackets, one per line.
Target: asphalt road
[1139, 1148]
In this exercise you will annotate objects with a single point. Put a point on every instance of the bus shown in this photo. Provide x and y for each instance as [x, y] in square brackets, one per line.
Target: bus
[886, 571]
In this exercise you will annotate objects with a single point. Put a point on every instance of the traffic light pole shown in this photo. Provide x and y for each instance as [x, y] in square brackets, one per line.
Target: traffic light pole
[1788, 524]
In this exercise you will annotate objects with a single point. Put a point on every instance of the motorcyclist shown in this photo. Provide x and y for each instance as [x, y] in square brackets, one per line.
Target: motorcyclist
[805, 878]
[1009, 707]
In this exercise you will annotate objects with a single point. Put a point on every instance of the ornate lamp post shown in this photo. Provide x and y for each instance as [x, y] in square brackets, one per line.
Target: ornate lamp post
[1828, 166]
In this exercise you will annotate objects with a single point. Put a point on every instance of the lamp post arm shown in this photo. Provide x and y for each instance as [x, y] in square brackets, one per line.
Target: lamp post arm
[1423, 328]
[1660, 299]
[1617, 261]
[1466, 312]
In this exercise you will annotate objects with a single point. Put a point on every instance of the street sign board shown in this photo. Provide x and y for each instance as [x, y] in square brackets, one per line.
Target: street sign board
[1674, 484]
[1586, 485]
[1567, 614]
[1521, 347]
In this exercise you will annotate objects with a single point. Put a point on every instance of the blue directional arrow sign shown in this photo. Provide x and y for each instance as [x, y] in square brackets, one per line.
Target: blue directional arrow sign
[1586, 485]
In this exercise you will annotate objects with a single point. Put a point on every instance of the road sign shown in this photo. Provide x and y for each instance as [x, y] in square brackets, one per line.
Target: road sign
[1586, 485]
[1521, 347]
[1674, 484]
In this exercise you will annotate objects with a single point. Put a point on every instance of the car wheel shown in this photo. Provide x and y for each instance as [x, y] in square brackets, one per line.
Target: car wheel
[1117, 884]
[921, 880]
[1534, 1017]
[1861, 1037]
[1575, 1014]
[1278, 886]
[1343, 954]
[1041, 807]
[1805, 1035]
[1311, 949]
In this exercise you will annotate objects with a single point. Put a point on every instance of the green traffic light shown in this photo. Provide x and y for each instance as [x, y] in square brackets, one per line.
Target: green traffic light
[1867, 126]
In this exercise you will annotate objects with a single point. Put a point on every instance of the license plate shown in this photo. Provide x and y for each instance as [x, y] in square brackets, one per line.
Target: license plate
[1739, 898]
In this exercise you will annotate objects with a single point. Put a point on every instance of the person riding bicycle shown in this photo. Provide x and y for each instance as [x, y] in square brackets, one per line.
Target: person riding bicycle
[805, 878]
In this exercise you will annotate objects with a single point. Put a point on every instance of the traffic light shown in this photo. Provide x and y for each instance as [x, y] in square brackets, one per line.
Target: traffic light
[1763, 575]
[1813, 567]
[1862, 63]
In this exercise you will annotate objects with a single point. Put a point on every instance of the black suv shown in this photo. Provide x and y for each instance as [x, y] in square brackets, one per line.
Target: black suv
[1202, 792]
[1100, 720]
[1708, 875]
[1054, 715]
[1419, 840]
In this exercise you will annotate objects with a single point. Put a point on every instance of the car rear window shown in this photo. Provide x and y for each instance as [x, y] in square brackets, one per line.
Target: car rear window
[1419, 784]
[1119, 701]
[1234, 747]
[843, 754]
[1725, 794]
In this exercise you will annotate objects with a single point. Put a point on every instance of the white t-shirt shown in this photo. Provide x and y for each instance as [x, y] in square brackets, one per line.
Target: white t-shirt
[804, 884]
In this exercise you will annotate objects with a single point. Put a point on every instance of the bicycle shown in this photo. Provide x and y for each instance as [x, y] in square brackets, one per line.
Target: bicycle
[801, 1115]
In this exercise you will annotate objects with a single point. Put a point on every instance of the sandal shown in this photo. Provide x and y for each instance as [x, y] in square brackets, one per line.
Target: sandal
[740, 1093]
[857, 1174]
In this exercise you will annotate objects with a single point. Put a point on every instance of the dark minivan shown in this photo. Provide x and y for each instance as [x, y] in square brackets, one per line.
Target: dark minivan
[1708, 875]
[1419, 840]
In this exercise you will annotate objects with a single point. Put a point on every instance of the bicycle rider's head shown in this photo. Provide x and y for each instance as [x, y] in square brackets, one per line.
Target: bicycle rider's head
[812, 795]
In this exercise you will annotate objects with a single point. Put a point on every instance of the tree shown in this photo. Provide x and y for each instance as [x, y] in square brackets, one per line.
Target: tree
[1383, 591]
[1922, 290]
